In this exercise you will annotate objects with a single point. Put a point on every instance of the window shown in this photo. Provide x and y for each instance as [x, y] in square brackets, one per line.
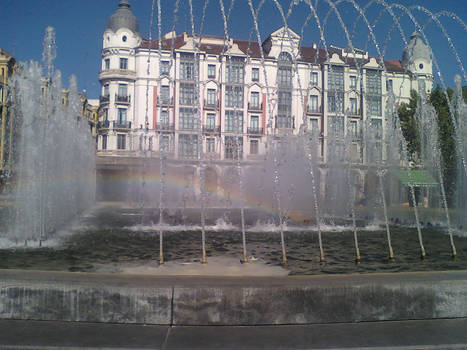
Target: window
[373, 82]
[353, 106]
[141, 139]
[353, 82]
[164, 143]
[313, 105]
[187, 66]
[314, 128]
[234, 121]
[106, 114]
[107, 64]
[122, 116]
[374, 105]
[421, 86]
[336, 89]
[104, 142]
[284, 117]
[150, 143]
[234, 96]
[124, 38]
[254, 100]
[124, 63]
[389, 86]
[164, 117]
[187, 119]
[188, 146]
[210, 145]
[165, 94]
[314, 79]
[255, 74]
[187, 94]
[106, 91]
[211, 71]
[235, 70]
[335, 102]
[122, 91]
[233, 147]
[377, 128]
[336, 127]
[164, 68]
[254, 122]
[210, 122]
[253, 146]
[121, 141]
[212, 100]
[353, 129]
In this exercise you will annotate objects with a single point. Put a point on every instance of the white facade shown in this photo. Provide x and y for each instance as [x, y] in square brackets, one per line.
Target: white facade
[182, 91]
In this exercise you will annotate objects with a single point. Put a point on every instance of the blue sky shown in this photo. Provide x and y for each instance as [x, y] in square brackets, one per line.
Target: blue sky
[80, 25]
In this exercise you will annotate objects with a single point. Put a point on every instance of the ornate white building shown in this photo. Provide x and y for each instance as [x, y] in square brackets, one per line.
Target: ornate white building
[181, 92]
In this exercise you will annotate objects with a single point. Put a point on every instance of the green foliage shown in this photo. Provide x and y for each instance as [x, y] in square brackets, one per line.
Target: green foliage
[409, 125]
[446, 134]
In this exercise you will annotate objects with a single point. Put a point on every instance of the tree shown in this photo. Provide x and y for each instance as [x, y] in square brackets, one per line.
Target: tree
[409, 125]
[447, 142]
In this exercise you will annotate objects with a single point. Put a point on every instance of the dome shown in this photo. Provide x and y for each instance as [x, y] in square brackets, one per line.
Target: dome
[416, 49]
[123, 18]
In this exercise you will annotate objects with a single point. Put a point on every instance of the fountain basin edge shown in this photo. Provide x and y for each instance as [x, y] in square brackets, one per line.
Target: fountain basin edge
[200, 300]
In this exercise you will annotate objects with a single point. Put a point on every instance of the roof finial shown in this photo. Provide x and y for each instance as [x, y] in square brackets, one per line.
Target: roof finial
[124, 3]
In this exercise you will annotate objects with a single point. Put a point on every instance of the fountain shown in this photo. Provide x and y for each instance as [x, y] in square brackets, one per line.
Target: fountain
[305, 160]
[326, 179]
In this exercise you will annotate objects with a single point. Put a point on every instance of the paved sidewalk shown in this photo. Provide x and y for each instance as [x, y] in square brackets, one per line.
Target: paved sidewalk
[425, 334]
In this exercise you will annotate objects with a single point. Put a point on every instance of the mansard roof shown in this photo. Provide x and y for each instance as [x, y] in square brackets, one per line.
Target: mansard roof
[251, 49]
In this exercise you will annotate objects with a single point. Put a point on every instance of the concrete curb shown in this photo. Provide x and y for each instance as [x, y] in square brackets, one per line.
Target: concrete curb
[187, 301]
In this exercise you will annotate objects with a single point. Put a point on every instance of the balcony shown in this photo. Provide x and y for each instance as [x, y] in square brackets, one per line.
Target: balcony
[210, 104]
[119, 74]
[122, 126]
[211, 129]
[105, 124]
[122, 99]
[314, 110]
[354, 112]
[255, 131]
[255, 107]
[165, 127]
[104, 99]
[165, 101]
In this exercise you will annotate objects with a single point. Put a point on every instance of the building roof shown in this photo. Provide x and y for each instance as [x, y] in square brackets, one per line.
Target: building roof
[123, 18]
[217, 46]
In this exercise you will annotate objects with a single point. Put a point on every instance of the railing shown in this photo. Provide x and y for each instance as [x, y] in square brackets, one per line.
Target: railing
[122, 98]
[353, 112]
[255, 130]
[104, 99]
[210, 104]
[314, 110]
[122, 125]
[255, 107]
[165, 101]
[165, 127]
[105, 124]
[211, 129]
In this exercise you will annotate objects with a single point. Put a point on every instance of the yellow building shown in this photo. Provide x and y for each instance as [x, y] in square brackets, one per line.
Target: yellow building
[7, 68]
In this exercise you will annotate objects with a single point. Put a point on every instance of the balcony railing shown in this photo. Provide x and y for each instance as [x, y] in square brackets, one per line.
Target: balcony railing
[122, 98]
[104, 99]
[122, 125]
[314, 110]
[165, 101]
[210, 103]
[353, 112]
[255, 130]
[211, 129]
[255, 107]
[105, 124]
[165, 127]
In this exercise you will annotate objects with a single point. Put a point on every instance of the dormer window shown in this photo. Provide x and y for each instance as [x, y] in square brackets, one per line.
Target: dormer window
[124, 38]
[420, 66]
